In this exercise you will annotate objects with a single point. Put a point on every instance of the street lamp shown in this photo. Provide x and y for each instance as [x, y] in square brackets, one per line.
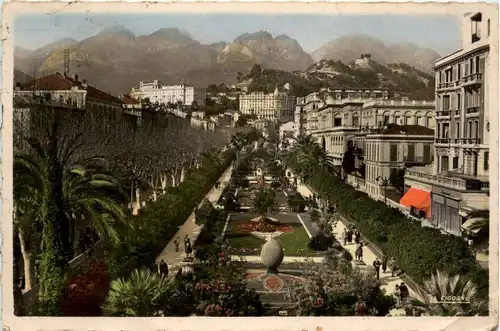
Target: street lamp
[385, 182]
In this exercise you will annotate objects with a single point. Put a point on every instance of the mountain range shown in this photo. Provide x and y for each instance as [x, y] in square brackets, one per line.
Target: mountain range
[115, 59]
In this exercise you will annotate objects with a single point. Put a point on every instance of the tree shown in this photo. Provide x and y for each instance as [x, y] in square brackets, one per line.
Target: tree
[256, 71]
[264, 201]
[443, 287]
[144, 294]
[334, 289]
[397, 179]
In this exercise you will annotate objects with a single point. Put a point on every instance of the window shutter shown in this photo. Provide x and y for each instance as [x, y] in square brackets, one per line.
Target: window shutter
[482, 65]
[466, 71]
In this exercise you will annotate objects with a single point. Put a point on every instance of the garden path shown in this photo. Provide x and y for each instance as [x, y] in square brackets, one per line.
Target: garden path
[190, 228]
[387, 282]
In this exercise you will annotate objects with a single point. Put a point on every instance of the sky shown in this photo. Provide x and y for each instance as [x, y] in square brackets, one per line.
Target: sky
[441, 33]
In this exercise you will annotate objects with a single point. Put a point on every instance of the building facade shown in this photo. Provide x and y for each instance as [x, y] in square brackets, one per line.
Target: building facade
[164, 94]
[271, 107]
[466, 101]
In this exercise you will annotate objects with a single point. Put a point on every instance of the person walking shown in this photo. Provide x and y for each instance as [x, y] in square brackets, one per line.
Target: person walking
[397, 296]
[163, 268]
[344, 237]
[349, 236]
[176, 244]
[359, 252]
[187, 242]
[384, 263]
[357, 237]
[189, 249]
[405, 293]
[376, 265]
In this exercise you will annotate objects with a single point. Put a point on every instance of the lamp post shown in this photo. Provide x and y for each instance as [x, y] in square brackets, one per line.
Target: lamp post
[385, 182]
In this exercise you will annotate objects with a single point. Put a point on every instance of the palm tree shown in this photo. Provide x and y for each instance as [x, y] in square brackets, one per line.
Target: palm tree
[438, 294]
[481, 219]
[92, 199]
[307, 155]
[144, 294]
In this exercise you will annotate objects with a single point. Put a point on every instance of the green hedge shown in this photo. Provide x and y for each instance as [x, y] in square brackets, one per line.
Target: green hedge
[419, 251]
[158, 222]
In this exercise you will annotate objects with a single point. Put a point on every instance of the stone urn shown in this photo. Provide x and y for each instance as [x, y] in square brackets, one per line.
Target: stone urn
[272, 255]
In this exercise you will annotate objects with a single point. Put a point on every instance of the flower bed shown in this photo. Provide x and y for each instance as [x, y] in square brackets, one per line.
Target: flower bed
[263, 224]
[85, 293]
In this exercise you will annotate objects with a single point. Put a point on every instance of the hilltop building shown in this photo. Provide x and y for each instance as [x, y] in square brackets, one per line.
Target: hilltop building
[271, 107]
[176, 94]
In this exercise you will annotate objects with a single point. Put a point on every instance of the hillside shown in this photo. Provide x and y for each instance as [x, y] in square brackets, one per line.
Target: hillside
[115, 59]
[348, 48]
[368, 73]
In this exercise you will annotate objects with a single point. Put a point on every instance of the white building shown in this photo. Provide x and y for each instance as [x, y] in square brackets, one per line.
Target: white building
[271, 107]
[467, 100]
[156, 92]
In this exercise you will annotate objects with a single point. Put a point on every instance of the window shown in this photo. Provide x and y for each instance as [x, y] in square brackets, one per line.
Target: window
[476, 129]
[444, 164]
[427, 153]
[459, 101]
[477, 64]
[337, 122]
[386, 120]
[355, 121]
[446, 102]
[489, 28]
[457, 130]
[469, 130]
[459, 71]
[446, 130]
[411, 153]
[476, 27]
[394, 153]
[471, 66]
[486, 160]
[455, 162]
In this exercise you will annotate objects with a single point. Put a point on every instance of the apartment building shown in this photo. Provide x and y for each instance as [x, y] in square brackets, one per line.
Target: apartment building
[466, 102]
[271, 107]
[164, 94]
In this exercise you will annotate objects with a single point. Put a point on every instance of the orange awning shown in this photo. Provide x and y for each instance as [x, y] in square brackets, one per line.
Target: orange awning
[419, 199]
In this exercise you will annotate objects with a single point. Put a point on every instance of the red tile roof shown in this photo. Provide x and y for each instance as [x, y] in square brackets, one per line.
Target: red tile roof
[57, 81]
[129, 101]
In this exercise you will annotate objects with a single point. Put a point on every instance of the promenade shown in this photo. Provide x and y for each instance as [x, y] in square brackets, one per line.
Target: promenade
[190, 228]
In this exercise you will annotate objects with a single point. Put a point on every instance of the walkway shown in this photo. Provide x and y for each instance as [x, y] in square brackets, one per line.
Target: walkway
[286, 259]
[169, 255]
[387, 282]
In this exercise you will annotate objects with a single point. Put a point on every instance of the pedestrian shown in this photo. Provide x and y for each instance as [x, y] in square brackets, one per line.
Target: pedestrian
[217, 185]
[376, 265]
[176, 243]
[357, 237]
[349, 236]
[405, 293]
[359, 252]
[186, 241]
[344, 237]
[163, 268]
[397, 296]
[189, 249]
[384, 263]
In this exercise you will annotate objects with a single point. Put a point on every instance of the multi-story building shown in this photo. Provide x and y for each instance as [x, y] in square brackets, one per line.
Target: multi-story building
[466, 89]
[71, 90]
[272, 107]
[335, 117]
[157, 92]
[389, 149]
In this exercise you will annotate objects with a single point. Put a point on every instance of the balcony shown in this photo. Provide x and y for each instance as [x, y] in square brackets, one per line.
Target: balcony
[442, 141]
[471, 141]
[415, 160]
[473, 110]
[472, 79]
[446, 85]
[443, 114]
[452, 181]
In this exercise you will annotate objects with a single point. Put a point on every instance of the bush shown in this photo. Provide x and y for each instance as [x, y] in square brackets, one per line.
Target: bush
[320, 242]
[418, 250]
[85, 293]
[297, 203]
[276, 185]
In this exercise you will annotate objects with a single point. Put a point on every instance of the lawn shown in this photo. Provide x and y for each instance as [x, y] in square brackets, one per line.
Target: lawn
[294, 243]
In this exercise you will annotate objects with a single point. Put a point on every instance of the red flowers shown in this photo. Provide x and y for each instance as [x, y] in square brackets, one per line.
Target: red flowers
[85, 293]
[263, 224]
[273, 283]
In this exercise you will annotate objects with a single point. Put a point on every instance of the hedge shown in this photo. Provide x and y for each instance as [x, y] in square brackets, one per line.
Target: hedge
[159, 221]
[419, 251]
